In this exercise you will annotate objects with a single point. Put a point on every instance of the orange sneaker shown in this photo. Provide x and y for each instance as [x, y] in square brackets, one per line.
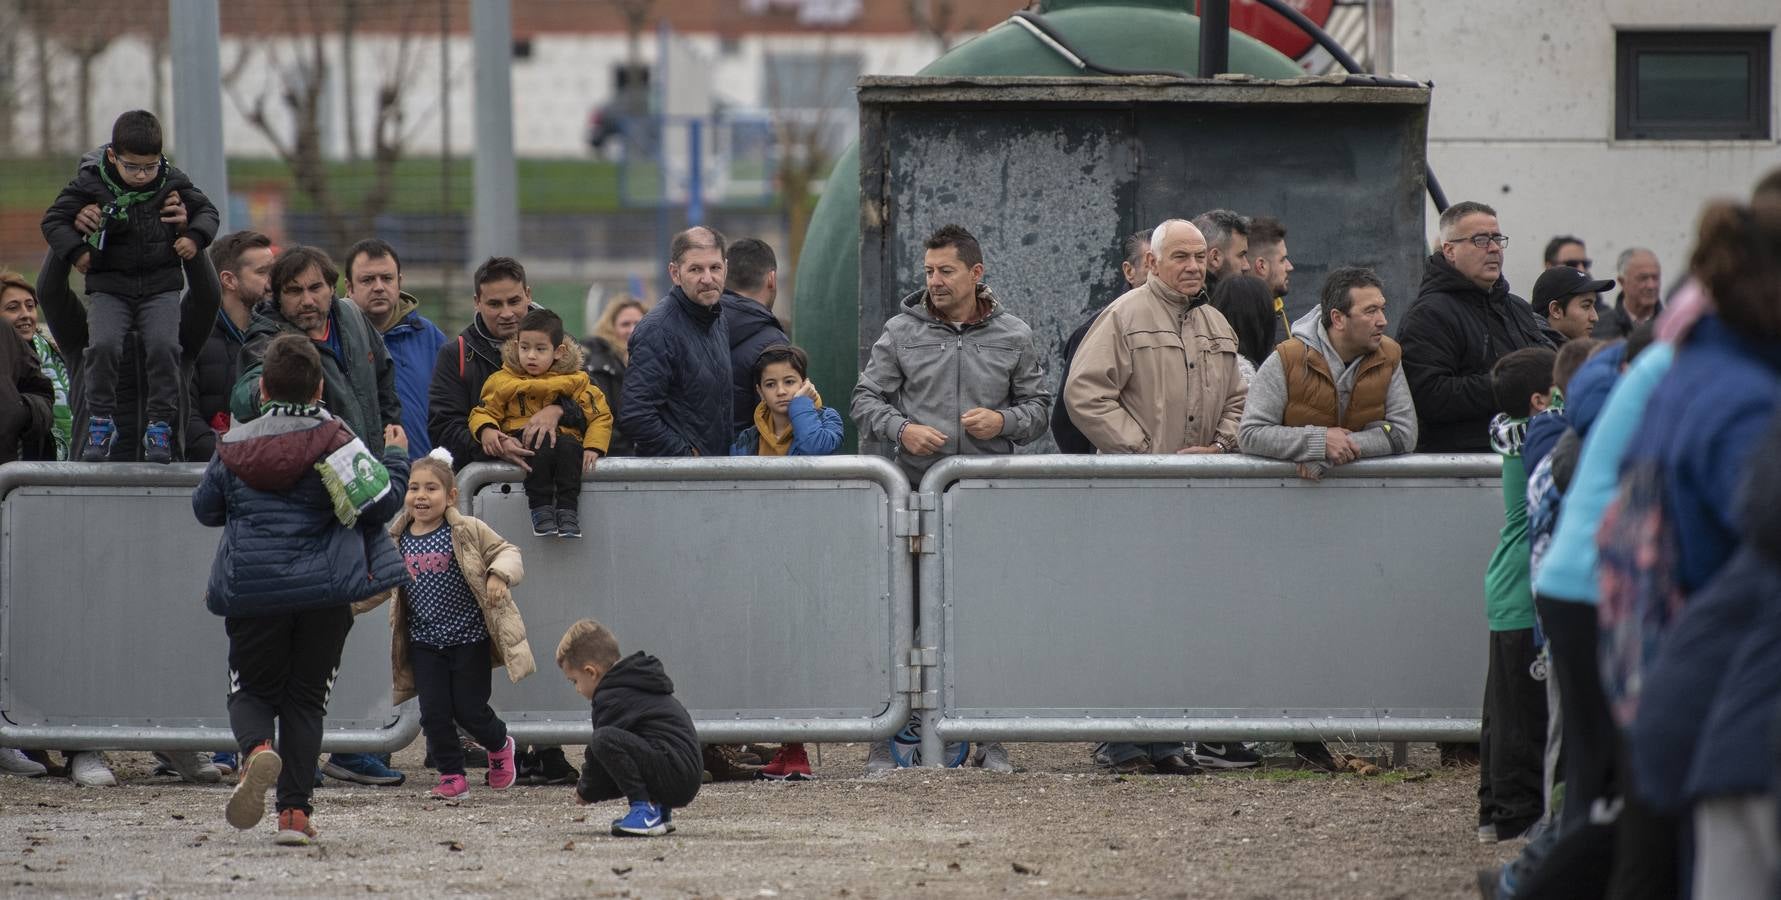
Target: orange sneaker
[789, 764]
[259, 772]
[294, 829]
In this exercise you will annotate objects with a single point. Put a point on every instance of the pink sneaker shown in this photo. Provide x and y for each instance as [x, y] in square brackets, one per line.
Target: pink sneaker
[500, 775]
[451, 787]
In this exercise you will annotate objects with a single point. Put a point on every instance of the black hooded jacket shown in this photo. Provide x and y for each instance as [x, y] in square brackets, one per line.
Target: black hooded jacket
[1249, 306]
[636, 695]
[1453, 334]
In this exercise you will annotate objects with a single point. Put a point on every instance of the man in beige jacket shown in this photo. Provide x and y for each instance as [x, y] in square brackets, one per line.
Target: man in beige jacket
[1158, 371]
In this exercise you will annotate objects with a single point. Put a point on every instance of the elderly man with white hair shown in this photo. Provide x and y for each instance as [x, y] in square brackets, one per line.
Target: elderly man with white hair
[1158, 372]
[1641, 279]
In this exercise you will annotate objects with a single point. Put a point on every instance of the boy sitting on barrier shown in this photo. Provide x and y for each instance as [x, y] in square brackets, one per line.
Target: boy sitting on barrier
[303, 505]
[789, 421]
[1513, 737]
[644, 747]
[541, 366]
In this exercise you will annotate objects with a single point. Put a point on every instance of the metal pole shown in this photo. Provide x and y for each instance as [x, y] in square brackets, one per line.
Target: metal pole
[195, 29]
[695, 181]
[495, 221]
[1215, 37]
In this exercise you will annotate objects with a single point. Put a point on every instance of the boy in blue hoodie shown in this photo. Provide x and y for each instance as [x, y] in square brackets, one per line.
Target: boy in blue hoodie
[304, 506]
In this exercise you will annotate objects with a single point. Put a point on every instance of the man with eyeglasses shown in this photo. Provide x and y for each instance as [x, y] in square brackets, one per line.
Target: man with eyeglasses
[1463, 320]
[1640, 281]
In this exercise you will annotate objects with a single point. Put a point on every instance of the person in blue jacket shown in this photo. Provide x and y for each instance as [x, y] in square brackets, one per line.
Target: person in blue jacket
[790, 419]
[374, 283]
[676, 399]
[304, 506]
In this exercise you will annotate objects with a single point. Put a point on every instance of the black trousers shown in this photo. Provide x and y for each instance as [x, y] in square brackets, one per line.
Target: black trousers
[1590, 738]
[281, 672]
[453, 684]
[155, 318]
[1512, 745]
[623, 764]
[555, 479]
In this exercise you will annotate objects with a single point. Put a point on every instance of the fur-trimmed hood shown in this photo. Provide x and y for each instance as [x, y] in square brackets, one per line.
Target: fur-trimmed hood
[566, 364]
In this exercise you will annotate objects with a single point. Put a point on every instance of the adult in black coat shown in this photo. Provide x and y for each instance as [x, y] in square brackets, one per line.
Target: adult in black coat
[677, 391]
[243, 264]
[1463, 320]
[1248, 305]
[753, 328]
[27, 397]
[502, 299]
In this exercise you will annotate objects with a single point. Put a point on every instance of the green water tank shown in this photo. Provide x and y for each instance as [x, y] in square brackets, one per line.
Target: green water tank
[1123, 34]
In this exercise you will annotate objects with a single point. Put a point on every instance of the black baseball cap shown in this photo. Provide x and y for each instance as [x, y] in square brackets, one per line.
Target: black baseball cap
[1560, 282]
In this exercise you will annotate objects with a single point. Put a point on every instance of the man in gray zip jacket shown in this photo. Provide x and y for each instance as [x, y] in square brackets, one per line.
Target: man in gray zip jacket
[954, 372]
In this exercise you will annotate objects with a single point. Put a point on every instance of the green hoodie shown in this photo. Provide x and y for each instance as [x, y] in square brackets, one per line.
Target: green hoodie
[1508, 589]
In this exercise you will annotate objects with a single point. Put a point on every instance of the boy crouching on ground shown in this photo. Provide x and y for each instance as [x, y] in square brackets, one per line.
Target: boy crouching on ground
[643, 747]
[303, 504]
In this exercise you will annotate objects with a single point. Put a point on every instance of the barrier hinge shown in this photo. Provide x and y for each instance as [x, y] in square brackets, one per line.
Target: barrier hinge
[918, 524]
[920, 678]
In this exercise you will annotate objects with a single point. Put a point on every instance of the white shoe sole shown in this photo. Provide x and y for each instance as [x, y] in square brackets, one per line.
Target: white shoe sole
[291, 839]
[657, 831]
[247, 805]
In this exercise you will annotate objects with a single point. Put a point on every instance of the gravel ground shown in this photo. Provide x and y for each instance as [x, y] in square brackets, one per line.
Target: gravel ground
[1058, 827]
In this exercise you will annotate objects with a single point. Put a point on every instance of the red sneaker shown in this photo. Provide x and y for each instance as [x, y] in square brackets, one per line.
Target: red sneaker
[789, 764]
[501, 774]
[294, 829]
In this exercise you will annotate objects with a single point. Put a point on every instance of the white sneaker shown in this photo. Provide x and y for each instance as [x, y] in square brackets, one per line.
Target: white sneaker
[879, 761]
[994, 758]
[12, 762]
[191, 766]
[88, 769]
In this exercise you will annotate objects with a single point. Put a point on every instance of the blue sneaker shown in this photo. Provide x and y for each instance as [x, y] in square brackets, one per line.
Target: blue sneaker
[157, 443]
[362, 768]
[224, 762]
[101, 432]
[644, 820]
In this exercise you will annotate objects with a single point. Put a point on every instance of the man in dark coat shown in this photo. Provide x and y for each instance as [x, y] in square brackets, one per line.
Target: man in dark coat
[677, 399]
[749, 292]
[1135, 271]
[359, 380]
[243, 262]
[1463, 321]
[1641, 279]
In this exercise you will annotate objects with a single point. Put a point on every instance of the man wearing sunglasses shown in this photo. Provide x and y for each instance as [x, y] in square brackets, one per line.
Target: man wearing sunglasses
[1463, 320]
[1567, 250]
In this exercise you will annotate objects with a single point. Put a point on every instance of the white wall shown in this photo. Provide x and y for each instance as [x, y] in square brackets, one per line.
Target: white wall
[1523, 119]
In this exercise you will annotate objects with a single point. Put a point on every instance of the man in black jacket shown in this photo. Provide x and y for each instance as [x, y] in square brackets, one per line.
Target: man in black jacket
[677, 391]
[749, 292]
[1135, 270]
[1464, 320]
[1641, 278]
[243, 262]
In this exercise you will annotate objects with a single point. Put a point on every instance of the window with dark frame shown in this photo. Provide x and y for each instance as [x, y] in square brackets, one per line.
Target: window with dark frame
[1692, 85]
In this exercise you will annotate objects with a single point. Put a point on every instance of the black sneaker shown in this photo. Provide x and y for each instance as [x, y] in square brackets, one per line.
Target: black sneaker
[556, 767]
[568, 523]
[544, 521]
[1313, 754]
[1225, 756]
[527, 768]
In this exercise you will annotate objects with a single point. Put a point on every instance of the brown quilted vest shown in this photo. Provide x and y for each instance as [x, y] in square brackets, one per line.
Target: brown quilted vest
[1311, 389]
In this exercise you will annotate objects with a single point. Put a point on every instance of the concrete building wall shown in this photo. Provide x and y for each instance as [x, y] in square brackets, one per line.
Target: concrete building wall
[1523, 119]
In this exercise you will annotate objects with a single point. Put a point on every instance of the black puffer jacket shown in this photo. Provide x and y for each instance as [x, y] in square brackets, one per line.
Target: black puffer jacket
[137, 259]
[1452, 335]
[215, 371]
[607, 371]
[753, 328]
[677, 394]
[637, 696]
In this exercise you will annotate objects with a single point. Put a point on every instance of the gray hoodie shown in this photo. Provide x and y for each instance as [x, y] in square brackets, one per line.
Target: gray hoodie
[1261, 433]
[929, 372]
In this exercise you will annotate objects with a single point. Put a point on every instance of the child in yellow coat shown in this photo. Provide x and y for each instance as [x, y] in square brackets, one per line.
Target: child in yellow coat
[541, 368]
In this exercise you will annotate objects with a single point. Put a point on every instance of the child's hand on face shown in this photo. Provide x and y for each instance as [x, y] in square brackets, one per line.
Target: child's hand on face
[588, 459]
[808, 390]
[497, 590]
[185, 247]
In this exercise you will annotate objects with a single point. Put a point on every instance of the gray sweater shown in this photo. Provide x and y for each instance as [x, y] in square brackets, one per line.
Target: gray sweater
[1261, 433]
[930, 372]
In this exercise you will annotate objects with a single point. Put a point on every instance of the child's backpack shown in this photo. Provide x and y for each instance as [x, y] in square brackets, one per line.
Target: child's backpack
[1640, 594]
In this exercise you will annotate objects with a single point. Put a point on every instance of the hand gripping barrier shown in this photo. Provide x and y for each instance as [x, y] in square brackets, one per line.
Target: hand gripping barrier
[778, 593]
[104, 639]
[1160, 598]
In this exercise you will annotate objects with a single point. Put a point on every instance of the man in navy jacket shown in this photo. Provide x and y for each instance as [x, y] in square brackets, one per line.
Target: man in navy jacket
[677, 393]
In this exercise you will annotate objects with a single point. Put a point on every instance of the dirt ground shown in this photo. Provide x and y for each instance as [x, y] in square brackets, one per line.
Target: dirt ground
[1058, 827]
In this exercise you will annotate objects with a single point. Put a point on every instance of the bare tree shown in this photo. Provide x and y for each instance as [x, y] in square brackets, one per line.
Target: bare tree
[934, 18]
[11, 26]
[636, 13]
[85, 48]
[40, 16]
[300, 80]
[349, 75]
[804, 137]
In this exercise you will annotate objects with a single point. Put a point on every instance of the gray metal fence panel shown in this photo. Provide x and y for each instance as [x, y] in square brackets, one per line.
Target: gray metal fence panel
[1153, 598]
[775, 591]
[104, 639]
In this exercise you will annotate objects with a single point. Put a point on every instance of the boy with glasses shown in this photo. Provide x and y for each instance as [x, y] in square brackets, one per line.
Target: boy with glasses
[133, 267]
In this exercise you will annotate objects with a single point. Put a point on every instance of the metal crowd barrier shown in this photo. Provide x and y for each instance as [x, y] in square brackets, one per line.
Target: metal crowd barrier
[104, 639]
[1151, 598]
[1060, 598]
[778, 593]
